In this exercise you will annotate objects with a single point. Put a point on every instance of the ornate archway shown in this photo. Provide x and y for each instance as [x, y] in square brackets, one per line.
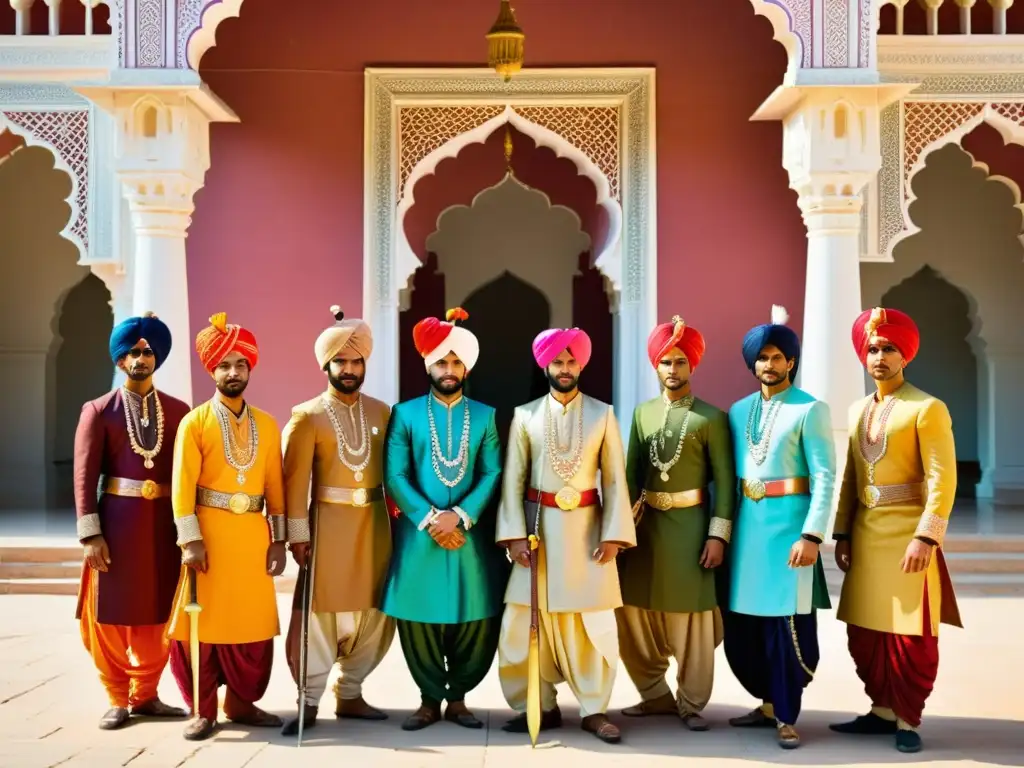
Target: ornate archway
[415, 118]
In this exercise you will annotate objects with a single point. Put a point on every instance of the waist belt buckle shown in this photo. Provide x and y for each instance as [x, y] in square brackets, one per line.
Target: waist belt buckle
[872, 495]
[150, 490]
[755, 489]
[239, 503]
[568, 499]
[360, 496]
[660, 500]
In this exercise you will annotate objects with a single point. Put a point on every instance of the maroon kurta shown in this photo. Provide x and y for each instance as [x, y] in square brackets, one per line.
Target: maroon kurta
[139, 585]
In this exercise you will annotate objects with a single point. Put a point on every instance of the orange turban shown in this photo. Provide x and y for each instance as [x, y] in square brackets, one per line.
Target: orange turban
[218, 340]
[889, 324]
[675, 335]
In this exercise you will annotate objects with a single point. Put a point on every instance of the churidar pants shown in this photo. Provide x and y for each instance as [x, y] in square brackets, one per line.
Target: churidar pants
[898, 671]
[447, 661]
[581, 649]
[357, 640]
[773, 657]
[648, 639]
[243, 667]
[129, 659]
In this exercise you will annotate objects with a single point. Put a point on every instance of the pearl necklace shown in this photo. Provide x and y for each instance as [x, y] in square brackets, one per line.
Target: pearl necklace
[872, 451]
[136, 440]
[758, 440]
[657, 442]
[564, 463]
[231, 448]
[437, 458]
[343, 446]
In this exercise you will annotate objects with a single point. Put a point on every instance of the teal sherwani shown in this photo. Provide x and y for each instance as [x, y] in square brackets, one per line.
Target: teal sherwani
[771, 639]
[447, 602]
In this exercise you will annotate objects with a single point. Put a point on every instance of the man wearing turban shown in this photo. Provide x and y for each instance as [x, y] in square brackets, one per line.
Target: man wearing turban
[131, 562]
[785, 459]
[228, 495]
[678, 444]
[441, 469]
[337, 438]
[557, 447]
[894, 506]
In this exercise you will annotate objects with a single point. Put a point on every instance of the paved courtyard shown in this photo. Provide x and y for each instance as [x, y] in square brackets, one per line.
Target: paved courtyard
[50, 701]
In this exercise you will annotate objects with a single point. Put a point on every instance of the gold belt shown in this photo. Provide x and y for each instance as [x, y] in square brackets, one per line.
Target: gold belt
[664, 501]
[239, 503]
[885, 495]
[146, 489]
[353, 497]
[755, 490]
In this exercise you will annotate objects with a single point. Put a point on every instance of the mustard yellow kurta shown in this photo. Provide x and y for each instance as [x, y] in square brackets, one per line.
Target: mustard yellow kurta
[876, 593]
[353, 543]
[236, 593]
[576, 595]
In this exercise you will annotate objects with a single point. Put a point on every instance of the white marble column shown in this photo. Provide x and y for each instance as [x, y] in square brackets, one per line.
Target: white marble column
[1002, 432]
[159, 280]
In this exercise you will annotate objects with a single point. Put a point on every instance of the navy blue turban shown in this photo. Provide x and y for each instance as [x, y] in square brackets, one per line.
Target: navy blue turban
[129, 332]
[776, 334]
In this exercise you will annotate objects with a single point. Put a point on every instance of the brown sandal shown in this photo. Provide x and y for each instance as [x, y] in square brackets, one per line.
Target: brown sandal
[421, 718]
[603, 728]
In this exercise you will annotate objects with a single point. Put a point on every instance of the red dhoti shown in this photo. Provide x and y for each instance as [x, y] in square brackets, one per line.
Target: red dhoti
[129, 659]
[243, 667]
[898, 671]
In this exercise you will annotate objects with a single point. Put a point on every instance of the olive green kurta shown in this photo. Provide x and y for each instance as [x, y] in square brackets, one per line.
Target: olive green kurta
[353, 543]
[663, 572]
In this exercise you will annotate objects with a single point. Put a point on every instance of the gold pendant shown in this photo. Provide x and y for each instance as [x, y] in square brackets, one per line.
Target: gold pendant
[148, 463]
[240, 477]
[664, 477]
[568, 499]
[359, 477]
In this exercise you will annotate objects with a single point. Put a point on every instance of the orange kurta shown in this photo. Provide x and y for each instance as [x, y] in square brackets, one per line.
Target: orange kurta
[236, 593]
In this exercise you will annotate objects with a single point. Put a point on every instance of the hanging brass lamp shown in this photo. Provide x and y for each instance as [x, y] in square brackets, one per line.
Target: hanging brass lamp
[505, 43]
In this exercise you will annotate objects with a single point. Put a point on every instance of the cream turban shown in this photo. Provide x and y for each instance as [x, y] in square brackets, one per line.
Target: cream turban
[344, 333]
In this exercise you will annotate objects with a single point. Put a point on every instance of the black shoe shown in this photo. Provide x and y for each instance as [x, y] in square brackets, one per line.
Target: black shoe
[291, 727]
[548, 720]
[460, 715]
[869, 724]
[908, 741]
[200, 729]
[114, 719]
[421, 718]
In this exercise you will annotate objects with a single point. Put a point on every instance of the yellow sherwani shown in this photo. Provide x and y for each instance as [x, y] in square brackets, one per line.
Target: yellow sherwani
[353, 543]
[237, 594]
[876, 594]
[577, 597]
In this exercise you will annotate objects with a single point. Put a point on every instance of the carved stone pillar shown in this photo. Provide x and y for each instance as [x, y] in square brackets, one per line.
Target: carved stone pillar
[1001, 441]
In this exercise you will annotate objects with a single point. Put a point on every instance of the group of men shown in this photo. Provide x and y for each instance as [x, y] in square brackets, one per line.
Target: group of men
[576, 552]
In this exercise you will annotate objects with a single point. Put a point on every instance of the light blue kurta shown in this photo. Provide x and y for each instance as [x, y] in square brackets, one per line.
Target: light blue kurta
[427, 583]
[801, 445]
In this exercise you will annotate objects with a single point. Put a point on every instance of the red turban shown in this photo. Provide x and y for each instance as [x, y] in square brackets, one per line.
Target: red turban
[218, 340]
[889, 324]
[675, 335]
[550, 344]
[434, 339]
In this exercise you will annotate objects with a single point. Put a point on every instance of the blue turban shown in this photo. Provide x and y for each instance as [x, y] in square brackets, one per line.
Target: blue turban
[128, 333]
[776, 334]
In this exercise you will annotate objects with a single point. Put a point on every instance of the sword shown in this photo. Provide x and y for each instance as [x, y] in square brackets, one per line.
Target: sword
[193, 610]
[307, 605]
[533, 705]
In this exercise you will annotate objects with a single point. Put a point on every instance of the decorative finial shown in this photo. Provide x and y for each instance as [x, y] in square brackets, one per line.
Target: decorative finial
[505, 43]
[455, 315]
[779, 315]
[220, 321]
[338, 314]
[149, 313]
[877, 318]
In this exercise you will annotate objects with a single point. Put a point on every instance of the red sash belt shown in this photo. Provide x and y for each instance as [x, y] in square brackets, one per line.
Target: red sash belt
[587, 498]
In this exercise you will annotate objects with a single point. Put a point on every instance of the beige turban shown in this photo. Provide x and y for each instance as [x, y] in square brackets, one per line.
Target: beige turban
[344, 333]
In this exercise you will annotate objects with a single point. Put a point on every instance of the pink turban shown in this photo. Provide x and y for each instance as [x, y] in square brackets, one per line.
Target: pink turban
[550, 344]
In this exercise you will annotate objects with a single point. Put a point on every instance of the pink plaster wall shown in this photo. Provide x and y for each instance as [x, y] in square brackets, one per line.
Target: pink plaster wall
[277, 234]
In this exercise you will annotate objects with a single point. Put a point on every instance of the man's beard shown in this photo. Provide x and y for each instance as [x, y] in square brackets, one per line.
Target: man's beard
[884, 374]
[445, 386]
[232, 388]
[138, 374]
[346, 384]
[563, 386]
[676, 385]
[770, 378]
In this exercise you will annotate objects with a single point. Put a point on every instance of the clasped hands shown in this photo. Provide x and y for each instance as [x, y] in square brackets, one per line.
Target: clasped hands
[444, 529]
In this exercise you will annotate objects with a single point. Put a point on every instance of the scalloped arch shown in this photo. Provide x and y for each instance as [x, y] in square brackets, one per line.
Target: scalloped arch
[204, 36]
[75, 231]
[782, 15]
[1011, 133]
[608, 257]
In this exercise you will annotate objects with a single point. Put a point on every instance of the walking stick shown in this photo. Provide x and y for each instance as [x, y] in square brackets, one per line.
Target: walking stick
[193, 609]
[307, 606]
[533, 705]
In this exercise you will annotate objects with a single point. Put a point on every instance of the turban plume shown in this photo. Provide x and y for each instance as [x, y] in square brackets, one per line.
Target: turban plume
[776, 334]
[344, 333]
[675, 335]
[130, 332]
[551, 343]
[219, 339]
[898, 327]
[434, 339]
